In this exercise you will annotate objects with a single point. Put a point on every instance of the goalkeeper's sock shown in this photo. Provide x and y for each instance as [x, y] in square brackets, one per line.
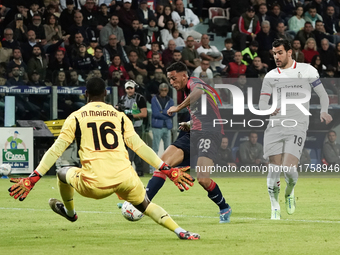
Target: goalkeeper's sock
[155, 184]
[67, 193]
[159, 215]
[215, 194]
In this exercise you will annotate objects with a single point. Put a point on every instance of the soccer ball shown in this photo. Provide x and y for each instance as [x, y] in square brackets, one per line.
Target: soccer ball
[130, 212]
[5, 169]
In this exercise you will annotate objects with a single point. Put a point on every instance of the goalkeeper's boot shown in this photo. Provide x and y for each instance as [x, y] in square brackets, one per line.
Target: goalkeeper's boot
[188, 235]
[119, 205]
[58, 207]
[225, 215]
[290, 204]
[276, 214]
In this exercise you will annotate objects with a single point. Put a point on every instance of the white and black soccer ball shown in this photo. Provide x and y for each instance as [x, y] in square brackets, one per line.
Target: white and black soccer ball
[5, 169]
[130, 212]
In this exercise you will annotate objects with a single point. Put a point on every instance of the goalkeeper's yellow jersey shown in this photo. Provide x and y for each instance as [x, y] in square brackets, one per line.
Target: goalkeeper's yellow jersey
[99, 130]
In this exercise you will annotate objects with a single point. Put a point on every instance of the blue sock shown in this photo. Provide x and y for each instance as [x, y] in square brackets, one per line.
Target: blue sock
[155, 184]
[215, 194]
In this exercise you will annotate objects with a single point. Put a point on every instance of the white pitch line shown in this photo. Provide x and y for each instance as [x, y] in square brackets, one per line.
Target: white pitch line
[184, 216]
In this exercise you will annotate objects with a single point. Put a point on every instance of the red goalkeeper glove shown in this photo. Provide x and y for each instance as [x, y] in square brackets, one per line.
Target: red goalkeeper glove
[23, 186]
[178, 176]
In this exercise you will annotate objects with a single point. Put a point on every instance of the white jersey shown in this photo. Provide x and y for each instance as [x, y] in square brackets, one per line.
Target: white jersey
[300, 76]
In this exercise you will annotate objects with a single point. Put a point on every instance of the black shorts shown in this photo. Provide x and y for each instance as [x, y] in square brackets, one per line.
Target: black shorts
[199, 144]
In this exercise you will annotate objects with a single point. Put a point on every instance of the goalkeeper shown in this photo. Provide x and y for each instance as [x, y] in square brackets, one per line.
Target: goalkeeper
[101, 133]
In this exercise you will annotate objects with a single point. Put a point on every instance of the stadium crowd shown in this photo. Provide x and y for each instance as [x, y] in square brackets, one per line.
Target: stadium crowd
[66, 42]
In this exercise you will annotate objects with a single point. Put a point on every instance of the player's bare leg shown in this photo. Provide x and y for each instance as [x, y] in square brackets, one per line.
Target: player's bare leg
[160, 216]
[65, 208]
[273, 184]
[214, 192]
[290, 163]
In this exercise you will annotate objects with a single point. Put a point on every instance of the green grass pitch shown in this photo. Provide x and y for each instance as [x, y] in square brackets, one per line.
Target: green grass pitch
[30, 227]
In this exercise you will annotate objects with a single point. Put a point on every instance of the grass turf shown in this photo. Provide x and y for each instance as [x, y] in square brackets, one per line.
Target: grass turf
[31, 226]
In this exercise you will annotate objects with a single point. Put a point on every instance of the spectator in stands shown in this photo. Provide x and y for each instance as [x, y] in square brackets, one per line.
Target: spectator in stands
[320, 33]
[114, 6]
[84, 62]
[144, 13]
[203, 71]
[18, 8]
[72, 50]
[90, 17]
[297, 54]
[33, 10]
[327, 54]
[38, 28]
[211, 53]
[154, 49]
[235, 68]
[116, 65]
[167, 55]
[331, 23]
[265, 38]
[166, 33]
[317, 64]
[251, 152]
[238, 8]
[225, 157]
[126, 17]
[305, 159]
[180, 44]
[152, 87]
[135, 30]
[177, 57]
[16, 79]
[116, 81]
[74, 79]
[312, 16]
[331, 149]
[282, 33]
[310, 50]
[297, 22]
[93, 44]
[103, 16]
[19, 29]
[161, 122]
[101, 63]
[257, 69]
[304, 34]
[17, 61]
[248, 54]
[159, 10]
[190, 55]
[276, 16]
[135, 41]
[37, 62]
[112, 28]
[79, 27]
[135, 67]
[135, 108]
[60, 79]
[51, 28]
[185, 20]
[8, 41]
[114, 48]
[247, 28]
[67, 16]
[262, 14]
[337, 55]
[228, 52]
[152, 33]
[59, 62]
[27, 47]
[154, 64]
[165, 17]
[35, 80]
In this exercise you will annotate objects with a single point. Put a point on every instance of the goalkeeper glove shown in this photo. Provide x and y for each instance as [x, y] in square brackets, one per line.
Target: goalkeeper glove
[23, 186]
[178, 176]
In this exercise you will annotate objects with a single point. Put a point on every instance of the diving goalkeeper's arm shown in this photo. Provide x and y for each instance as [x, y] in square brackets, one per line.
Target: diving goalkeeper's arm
[176, 175]
[23, 186]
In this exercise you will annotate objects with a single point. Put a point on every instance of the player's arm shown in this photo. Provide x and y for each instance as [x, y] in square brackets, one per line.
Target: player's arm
[266, 93]
[193, 97]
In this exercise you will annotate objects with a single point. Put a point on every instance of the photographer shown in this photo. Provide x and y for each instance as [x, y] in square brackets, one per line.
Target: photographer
[134, 106]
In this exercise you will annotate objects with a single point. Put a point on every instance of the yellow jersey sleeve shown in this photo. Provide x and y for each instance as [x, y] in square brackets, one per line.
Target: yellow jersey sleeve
[129, 130]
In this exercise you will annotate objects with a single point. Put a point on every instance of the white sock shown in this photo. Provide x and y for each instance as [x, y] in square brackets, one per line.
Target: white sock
[291, 177]
[273, 185]
[179, 230]
[70, 213]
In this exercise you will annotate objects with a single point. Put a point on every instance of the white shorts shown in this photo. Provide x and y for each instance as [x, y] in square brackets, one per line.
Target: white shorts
[278, 140]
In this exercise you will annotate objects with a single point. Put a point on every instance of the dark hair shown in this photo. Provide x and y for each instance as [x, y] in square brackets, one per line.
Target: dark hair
[312, 6]
[102, 5]
[228, 40]
[154, 54]
[178, 67]
[276, 5]
[263, 4]
[95, 86]
[47, 21]
[331, 131]
[319, 68]
[155, 42]
[55, 37]
[308, 22]
[98, 48]
[318, 21]
[133, 51]
[284, 42]
[176, 51]
[173, 27]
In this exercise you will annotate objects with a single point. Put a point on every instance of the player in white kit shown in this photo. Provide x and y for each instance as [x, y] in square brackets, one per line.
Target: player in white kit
[285, 135]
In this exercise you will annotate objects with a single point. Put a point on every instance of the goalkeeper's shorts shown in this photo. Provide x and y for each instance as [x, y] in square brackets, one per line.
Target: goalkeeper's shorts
[131, 190]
